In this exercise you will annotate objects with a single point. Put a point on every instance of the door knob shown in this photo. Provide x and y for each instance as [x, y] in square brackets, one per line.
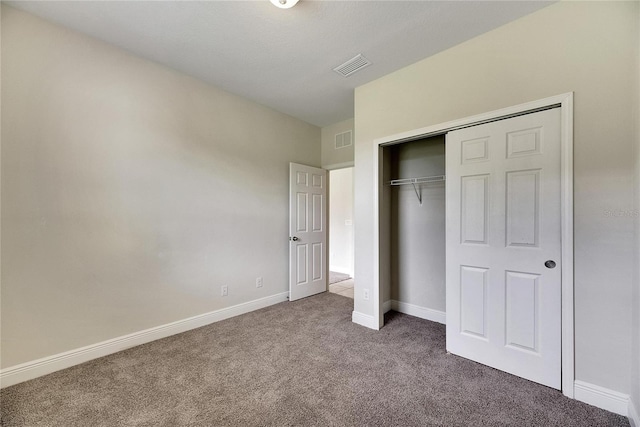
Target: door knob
[550, 264]
[294, 238]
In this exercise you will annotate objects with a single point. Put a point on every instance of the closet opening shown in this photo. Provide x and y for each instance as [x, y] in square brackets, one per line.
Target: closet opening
[494, 156]
[414, 185]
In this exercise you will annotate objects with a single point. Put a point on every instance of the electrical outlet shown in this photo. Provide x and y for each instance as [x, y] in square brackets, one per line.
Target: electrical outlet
[365, 294]
[258, 282]
[224, 290]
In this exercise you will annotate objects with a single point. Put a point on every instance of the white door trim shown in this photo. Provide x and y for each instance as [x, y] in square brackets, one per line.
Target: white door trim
[565, 102]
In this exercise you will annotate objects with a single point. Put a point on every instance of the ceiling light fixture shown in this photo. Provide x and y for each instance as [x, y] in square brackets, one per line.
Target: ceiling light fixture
[284, 4]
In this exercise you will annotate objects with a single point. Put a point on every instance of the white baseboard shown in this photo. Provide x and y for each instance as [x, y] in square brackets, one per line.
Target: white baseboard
[601, 397]
[634, 415]
[343, 270]
[417, 311]
[36, 368]
[364, 320]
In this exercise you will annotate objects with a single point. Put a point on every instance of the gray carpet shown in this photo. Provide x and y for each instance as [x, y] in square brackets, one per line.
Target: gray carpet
[293, 364]
[335, 277]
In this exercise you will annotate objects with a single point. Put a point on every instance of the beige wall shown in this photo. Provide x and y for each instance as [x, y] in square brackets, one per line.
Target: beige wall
[130, 192]
[0, 190]
[333, 158]
[586, 47]
[635, 337]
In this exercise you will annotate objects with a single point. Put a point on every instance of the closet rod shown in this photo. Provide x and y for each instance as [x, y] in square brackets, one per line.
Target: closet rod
[421, 180]
[414, 181]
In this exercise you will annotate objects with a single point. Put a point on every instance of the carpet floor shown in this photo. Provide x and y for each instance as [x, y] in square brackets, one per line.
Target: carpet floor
[335, 277]
[300, 363]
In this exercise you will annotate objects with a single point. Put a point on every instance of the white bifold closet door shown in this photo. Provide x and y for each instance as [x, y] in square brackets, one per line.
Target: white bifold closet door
[503, 282]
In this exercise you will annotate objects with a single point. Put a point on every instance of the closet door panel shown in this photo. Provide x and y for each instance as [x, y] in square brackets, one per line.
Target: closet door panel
[473, 301]
[503, 226]
[474, 209]
[523, 210]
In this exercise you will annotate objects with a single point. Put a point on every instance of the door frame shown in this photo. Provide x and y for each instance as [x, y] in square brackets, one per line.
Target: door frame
[380, 211]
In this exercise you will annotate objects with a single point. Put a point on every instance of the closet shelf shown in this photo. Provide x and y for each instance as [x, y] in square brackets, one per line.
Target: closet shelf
[414, 181]
[421, 180]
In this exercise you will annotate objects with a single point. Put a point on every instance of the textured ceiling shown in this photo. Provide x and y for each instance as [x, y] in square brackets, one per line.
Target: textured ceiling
[283, 58]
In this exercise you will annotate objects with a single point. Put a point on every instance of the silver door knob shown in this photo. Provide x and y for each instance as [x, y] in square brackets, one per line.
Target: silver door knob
[294, 238]
[550, 264]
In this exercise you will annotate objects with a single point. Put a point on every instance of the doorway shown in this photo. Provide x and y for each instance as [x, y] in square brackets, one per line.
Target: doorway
[341, 236]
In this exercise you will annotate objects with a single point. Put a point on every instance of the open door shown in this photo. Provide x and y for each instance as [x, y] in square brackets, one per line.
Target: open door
[307, 231]
[504, 245]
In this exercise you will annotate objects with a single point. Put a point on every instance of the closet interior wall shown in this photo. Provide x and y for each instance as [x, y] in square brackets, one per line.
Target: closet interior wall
[417, 230]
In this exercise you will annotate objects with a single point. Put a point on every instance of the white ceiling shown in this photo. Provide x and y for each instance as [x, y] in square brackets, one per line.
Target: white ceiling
[283, 58]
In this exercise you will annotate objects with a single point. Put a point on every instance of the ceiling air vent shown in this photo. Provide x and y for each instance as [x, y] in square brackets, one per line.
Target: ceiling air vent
[356, 63]
[343, 139]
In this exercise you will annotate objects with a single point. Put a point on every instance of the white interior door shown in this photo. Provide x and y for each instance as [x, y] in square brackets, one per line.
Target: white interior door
[307, 231]
[503, 245]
